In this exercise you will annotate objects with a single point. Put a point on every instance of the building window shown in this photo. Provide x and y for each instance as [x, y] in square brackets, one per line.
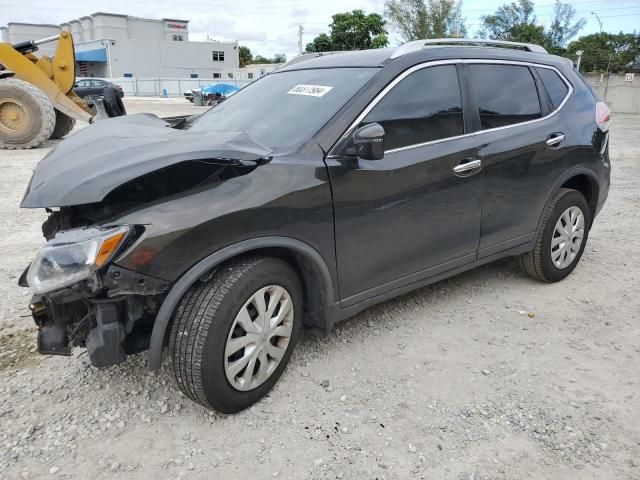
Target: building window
[216, 75]
[128, 75]
[230, 75]
[194, 75]
[250, 75]
[218, 56]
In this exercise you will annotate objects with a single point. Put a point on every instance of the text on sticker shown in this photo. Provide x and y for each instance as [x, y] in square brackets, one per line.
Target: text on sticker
[309, 90]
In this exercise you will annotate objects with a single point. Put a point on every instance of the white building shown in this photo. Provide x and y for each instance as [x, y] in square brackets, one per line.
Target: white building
[111, 45]
[250, 72]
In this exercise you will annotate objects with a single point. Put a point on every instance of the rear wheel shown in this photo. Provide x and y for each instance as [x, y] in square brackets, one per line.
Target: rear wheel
[560, 239]
[27, 117]
[232, 336]
[64, 124]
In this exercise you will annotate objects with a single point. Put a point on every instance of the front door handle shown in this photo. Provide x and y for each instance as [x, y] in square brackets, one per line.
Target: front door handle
[467, 165]
[555, 139]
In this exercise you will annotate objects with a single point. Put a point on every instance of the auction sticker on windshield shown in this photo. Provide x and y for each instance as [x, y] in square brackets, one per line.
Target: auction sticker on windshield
[309, 90]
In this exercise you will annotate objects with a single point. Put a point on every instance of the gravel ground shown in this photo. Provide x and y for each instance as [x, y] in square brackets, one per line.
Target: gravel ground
[488, 375]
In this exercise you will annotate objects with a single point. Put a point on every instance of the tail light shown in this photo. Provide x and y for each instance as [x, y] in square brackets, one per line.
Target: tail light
[603, 115]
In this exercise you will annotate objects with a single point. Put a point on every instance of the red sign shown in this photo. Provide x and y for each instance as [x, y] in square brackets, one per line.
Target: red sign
[177, 26]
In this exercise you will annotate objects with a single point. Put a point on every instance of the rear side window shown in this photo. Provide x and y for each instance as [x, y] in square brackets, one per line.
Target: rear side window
[425, 106]
[554, 85]
[505, 94]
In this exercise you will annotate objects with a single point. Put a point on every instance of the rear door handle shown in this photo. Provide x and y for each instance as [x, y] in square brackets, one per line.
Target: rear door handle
[555, 139]
[467, 165]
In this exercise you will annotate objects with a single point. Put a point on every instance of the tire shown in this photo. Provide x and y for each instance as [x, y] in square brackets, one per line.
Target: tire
[27, 117]
[539, 263]
[113, 105]
[64, 124]
[202, 329]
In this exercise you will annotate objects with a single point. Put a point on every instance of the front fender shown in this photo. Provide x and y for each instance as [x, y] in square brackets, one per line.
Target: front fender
[323, 289]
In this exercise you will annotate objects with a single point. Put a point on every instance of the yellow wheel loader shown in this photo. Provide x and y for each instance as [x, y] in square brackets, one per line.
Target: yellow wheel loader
[37, 101]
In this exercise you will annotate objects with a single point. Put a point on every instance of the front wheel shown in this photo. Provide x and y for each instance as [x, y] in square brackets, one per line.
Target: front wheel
[560, 238]
[233, 335]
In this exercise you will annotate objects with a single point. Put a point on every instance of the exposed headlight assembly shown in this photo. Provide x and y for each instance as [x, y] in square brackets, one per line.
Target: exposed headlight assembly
[73, 255]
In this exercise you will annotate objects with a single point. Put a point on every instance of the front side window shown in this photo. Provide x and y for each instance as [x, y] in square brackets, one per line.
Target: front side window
[554, 85]
[505, 94]
[423, 107]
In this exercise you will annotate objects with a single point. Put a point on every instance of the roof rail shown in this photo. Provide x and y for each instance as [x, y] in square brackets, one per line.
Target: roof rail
[417, 45]
[308, 56]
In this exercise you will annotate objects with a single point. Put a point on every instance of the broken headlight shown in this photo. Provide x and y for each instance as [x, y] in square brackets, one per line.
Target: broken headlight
[73, 255]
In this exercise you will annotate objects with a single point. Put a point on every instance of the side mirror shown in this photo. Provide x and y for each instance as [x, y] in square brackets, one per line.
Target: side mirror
[369, 141]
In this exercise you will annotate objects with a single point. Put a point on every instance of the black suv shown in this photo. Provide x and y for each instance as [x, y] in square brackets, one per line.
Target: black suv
[332, 184]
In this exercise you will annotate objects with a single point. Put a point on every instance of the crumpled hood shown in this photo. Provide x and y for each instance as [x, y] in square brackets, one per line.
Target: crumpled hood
[88, 165]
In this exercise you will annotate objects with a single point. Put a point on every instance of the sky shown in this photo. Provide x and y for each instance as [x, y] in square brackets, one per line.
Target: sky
[270, 27]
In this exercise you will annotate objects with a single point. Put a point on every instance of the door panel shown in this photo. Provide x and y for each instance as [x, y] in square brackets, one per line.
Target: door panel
[403, 214]
[409, 214]
[519, 164]
[519, 169]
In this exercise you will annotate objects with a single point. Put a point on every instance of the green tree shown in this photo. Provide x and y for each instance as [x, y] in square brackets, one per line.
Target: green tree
[245, 55]
[516, 22]
[563, 28]
[322, 43]
[353, 30]
[508, 22]
[611, 52]
[418, 19]
[277, 58]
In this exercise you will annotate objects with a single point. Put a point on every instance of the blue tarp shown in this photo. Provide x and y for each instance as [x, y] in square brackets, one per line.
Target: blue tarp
[221, 88]
[98, 55]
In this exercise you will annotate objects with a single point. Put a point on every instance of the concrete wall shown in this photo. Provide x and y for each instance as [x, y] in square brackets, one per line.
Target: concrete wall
[254, 71]
[620, 95]
[21, 32]
[87, 33]
[136, 46]
[166, 58]
[110, 26]
[143, 29]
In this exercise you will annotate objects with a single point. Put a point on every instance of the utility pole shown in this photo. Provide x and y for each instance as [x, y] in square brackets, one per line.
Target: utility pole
[300, 32]
[579, 53]
[598, 18]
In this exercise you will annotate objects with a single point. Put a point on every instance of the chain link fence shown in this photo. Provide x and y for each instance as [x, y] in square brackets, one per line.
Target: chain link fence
[170, 87]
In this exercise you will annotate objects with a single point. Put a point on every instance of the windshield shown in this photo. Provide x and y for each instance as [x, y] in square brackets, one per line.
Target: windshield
[287, 108]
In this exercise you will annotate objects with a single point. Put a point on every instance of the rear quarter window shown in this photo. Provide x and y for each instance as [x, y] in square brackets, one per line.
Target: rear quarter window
[554, 85]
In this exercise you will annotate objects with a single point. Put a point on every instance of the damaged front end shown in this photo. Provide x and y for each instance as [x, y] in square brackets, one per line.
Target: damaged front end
[82, 300]
[82, 297]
